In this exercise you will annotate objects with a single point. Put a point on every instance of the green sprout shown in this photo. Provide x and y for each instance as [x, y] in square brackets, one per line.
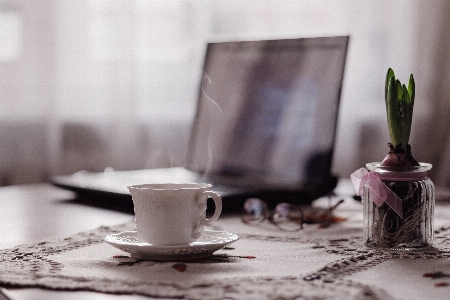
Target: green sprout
[399, 108]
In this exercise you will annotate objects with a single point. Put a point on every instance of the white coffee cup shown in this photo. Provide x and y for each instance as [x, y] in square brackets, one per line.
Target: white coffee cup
[172, 214]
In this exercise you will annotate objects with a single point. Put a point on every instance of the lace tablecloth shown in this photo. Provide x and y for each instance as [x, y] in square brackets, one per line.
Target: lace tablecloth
[265, 263]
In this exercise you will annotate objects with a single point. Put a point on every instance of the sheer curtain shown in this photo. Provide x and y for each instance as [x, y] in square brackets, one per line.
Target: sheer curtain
[124, 69]
[434, 60]
[92, 84]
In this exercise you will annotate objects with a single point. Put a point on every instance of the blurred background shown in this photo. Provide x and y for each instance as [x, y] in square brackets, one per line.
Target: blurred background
[91, 84]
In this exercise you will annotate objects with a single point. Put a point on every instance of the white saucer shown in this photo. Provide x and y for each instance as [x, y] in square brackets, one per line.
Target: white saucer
[209, 242]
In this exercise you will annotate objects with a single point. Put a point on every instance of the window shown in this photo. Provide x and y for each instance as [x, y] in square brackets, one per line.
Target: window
[10, 33]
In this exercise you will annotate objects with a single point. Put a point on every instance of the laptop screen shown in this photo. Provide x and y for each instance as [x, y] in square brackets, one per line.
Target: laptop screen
[268, 109]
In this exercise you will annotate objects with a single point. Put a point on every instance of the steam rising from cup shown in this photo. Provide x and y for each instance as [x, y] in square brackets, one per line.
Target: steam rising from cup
[216, 114]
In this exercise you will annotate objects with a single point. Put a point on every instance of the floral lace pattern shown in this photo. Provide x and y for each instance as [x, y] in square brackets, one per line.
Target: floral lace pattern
[85, 262]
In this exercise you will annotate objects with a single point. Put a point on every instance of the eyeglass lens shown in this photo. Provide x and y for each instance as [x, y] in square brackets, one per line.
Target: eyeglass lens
[255, 211]
[286, 216]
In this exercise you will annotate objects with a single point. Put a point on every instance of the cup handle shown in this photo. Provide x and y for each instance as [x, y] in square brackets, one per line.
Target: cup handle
[218, 207]
[206, 222]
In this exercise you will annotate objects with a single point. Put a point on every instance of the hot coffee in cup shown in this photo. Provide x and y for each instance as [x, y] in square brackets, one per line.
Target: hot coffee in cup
[172, 214]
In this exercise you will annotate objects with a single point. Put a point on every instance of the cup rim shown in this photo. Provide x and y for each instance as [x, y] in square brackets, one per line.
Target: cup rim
[169, 186]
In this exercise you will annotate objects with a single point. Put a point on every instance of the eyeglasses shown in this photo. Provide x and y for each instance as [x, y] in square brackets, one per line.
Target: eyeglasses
[286, 216]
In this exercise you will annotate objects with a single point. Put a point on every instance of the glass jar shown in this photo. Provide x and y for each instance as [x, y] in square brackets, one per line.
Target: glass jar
[398, 207]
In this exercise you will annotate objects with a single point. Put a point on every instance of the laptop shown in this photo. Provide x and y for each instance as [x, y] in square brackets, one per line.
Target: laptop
[265, 125]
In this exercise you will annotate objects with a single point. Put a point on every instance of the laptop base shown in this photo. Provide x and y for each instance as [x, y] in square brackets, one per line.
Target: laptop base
[231, 203]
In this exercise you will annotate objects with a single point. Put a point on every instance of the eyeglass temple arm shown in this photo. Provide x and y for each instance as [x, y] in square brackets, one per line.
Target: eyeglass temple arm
[336, 205]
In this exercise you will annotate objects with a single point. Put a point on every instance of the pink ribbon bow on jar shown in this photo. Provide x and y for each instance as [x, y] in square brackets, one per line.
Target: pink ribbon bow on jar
[379, 191]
